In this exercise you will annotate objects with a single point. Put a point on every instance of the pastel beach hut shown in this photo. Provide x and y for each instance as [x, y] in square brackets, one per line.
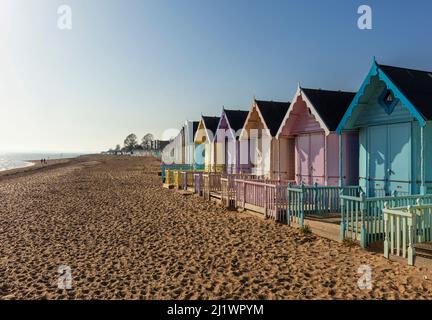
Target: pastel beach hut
[203, 141]
[190, 129]
[259, 147]
[226, 141]
[308, 143]
[393, 116]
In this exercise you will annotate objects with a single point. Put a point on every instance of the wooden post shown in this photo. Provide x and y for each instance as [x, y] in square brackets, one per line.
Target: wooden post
[340, 161]
[301, 215]
[244, 194]
[386, 231]
[411, 224]
[342, 225]
[363, 212]
[288, 210]
[422, 162]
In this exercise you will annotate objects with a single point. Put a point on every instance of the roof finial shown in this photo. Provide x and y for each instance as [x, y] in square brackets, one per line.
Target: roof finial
[374, 60]
[298, 85]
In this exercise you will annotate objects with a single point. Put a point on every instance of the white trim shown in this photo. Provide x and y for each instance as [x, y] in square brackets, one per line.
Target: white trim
[205, 129]
[309, 105]
[229, 124]
[254, 105]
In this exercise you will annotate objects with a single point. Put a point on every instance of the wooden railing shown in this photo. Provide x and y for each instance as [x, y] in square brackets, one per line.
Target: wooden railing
[198, 183]
[169, 169]
[176, 176]
[169, 177]
[211, 183]
[362, 217]
[187, 179]
[315, 200]
[228, 190]
[405, 226]
[265, 196]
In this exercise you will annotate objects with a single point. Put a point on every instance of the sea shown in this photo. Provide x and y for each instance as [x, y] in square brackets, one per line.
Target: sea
[16, 160]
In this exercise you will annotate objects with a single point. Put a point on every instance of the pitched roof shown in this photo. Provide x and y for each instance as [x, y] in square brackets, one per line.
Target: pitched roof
[416, 85]
[330, 105]
[236, 118]
[211, 123]
[273, 113]
[195, 125]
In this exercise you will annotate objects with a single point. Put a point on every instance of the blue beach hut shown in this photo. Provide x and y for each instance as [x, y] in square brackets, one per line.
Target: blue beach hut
[392, 113]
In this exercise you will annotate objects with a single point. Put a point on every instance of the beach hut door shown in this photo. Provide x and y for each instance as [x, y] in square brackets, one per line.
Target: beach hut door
[310, 158]
[302, 159]
[390, 159]
[317, 158]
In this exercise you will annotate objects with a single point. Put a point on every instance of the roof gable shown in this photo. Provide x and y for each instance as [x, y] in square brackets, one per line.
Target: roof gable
[236, 118]
[330, 105]
[272, 112]
[411, 87]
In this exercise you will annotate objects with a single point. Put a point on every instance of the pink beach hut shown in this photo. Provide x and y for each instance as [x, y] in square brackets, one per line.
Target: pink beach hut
[309, 144]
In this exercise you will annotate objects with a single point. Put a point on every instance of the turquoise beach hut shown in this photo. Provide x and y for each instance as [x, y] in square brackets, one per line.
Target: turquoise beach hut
[392, 113]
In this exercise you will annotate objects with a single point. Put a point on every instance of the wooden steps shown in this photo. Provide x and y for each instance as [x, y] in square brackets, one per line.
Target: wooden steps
[423, 249]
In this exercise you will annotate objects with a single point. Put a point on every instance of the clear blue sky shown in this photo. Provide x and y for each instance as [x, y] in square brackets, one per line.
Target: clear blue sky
[147, 65]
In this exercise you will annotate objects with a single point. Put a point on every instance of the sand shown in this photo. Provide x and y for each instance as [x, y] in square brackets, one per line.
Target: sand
[125, 237]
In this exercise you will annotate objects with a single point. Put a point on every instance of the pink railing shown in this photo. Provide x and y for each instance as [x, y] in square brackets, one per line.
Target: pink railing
[198, 183]
[211, 183]
[266, 196]
[187, 179]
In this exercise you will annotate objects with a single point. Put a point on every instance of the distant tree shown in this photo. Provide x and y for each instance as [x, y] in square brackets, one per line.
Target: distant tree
[117, 149]
[130, 142]
[139, 147]
[146, 141]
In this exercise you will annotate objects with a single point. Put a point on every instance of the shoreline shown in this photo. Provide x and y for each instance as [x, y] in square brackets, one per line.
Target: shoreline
[38, 167]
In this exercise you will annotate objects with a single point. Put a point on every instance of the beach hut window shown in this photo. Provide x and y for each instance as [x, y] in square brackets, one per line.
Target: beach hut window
[388, 100]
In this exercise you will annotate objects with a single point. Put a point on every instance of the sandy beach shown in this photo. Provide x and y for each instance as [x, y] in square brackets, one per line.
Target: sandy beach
[125, 237]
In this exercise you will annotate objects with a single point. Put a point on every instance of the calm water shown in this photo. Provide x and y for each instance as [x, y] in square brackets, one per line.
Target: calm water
[18, 160]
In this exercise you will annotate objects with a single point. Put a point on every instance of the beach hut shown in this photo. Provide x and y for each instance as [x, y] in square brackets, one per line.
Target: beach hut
[392, 115]
[259, 148]
[308, 143]
[226, 142]
[190, 129]
[204, 142]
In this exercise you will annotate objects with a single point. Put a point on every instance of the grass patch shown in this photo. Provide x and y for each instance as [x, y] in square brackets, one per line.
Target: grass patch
[305, 230]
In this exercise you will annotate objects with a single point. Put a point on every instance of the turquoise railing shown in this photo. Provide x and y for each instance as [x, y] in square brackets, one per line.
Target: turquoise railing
[404, 227]
[362, 217]
[315, 200]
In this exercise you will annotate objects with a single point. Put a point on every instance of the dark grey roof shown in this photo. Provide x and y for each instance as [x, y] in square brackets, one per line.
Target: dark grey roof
[195, 125]
[236, 118]
[273, 113]
[330, 105]
[211, 123]
[416, 85]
